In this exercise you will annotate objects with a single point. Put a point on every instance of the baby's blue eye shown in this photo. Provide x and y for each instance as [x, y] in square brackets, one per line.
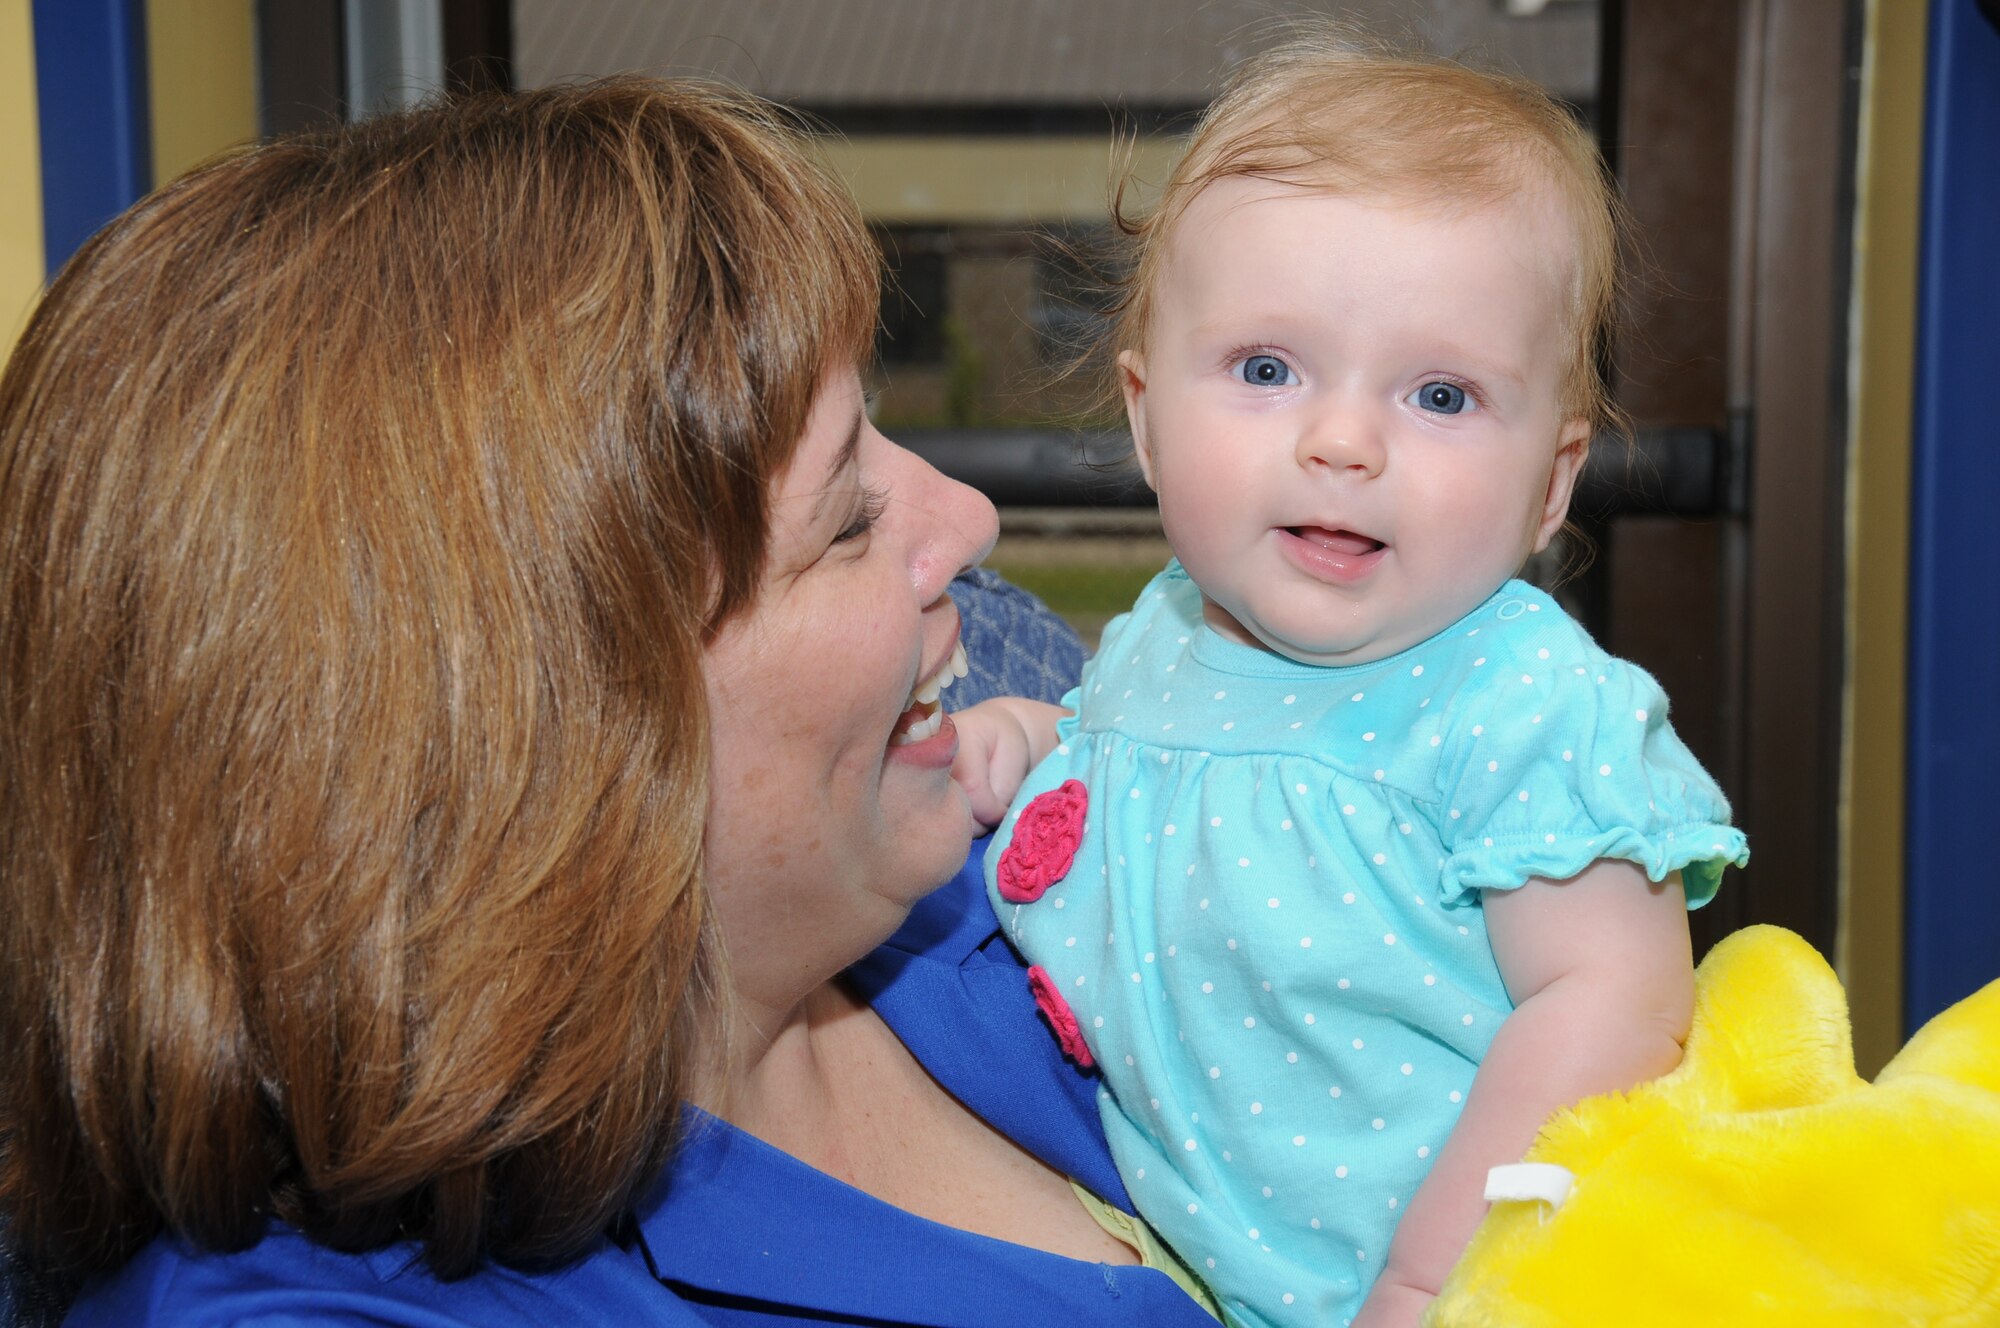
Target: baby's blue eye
[1264, 371]
[1441, 398]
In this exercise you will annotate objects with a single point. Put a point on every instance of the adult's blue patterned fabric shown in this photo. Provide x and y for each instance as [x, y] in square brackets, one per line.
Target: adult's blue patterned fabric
[1014, 645]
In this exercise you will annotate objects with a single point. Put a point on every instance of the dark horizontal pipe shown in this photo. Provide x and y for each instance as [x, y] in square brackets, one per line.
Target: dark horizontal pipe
[1036, 467]
[1673, 471]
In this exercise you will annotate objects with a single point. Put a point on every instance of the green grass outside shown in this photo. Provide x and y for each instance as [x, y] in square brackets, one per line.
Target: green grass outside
[1087, 595]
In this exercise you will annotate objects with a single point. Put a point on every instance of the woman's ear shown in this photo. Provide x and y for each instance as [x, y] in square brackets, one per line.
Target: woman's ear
[1572, 446]
[1132, 383]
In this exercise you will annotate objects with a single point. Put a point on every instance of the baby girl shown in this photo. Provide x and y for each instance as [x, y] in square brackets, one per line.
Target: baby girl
[1357, 857]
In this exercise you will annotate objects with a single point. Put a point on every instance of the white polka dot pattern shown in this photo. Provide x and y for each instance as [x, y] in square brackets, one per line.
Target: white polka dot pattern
[1320, 987]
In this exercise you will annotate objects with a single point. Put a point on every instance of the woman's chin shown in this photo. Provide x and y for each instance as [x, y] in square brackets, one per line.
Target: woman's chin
[931, 812]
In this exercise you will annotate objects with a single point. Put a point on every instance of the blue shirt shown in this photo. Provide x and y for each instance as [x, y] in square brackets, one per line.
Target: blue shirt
[1271, 934]
[737, 1232]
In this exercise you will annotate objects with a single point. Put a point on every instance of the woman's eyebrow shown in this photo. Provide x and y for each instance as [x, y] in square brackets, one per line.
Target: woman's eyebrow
[841, 461]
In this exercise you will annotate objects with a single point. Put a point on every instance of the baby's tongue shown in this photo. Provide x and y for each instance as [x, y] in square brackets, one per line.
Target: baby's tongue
[1337, 541]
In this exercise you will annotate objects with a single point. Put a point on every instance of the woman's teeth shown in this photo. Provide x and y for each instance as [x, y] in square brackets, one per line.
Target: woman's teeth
[923, 717]
[953, 669]
[924, 726]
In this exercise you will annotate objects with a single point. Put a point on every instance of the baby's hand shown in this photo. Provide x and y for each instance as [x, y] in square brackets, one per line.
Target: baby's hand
[999, 742]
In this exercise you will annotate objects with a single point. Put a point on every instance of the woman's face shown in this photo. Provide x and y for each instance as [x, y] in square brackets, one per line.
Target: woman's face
[830, 813]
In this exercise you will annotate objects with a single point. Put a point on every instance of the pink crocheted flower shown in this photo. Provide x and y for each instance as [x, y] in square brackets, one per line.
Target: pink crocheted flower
[1062, 1019]
[1044, 844]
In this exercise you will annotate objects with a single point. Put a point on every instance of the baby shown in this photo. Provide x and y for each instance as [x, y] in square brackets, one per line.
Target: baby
[1357, 858]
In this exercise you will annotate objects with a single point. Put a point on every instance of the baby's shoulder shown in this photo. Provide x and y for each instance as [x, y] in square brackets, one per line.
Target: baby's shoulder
[1519, 624]
[1163, 616]
[1522, 673]
[1521, 648]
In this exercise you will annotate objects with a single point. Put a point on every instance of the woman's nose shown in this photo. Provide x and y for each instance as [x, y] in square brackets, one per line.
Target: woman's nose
[961, 527]
[978, 523]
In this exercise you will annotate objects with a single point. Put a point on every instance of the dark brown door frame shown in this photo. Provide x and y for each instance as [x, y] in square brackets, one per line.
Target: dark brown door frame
[1732, 130]
[301, 57]
[479, 45]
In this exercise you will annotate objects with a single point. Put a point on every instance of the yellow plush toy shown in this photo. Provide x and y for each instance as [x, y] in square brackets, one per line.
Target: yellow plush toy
[1763, 1182]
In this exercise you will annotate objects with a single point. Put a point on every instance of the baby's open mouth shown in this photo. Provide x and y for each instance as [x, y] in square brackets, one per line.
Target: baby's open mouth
[925, 713]
[1349, 542]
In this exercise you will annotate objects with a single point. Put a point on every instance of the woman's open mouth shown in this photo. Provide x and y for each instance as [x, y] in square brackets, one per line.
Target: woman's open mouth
[925, 713]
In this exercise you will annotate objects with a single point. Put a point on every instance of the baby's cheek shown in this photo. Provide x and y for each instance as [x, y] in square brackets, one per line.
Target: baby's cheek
[1489, 524]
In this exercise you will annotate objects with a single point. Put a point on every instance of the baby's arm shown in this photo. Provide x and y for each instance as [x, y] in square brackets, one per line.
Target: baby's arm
[999, 742]
[1601, 972]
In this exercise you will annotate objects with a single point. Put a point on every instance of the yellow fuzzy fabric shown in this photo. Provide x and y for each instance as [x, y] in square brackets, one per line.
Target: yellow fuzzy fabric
[1763, 1182]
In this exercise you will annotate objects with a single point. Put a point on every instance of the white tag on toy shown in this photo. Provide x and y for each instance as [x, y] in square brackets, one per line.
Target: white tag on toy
[1529, 1182]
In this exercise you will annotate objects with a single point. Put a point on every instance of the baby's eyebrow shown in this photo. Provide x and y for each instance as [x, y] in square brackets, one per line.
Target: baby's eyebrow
[1483, 367]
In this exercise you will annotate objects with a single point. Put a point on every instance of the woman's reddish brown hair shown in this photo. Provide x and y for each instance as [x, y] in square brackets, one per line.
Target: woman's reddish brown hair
[366, 500]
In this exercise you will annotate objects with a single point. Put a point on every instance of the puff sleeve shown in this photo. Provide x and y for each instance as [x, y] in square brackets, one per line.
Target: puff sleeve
[1556, 763]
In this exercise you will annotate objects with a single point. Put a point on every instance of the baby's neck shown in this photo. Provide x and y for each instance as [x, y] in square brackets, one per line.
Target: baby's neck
[1227, 626]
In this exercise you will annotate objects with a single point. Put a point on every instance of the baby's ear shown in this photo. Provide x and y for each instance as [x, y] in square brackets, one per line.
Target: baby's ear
[1132, 383]
[1572, 446]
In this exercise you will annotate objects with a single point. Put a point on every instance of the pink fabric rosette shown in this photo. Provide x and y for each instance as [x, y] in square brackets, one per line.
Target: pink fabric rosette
[1062, 1019]
[1044, 844]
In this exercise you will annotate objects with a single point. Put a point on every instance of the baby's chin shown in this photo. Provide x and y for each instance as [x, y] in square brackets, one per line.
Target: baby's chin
[1331, 654]
[1324, 651]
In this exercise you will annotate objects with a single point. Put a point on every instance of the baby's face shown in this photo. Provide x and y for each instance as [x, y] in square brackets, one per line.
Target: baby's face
[1349, 408]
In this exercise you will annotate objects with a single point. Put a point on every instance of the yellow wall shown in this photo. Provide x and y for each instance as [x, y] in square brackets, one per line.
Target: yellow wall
[1882, 345]
[202, 64]
[991, 181]
[201, 60]
[21, 257]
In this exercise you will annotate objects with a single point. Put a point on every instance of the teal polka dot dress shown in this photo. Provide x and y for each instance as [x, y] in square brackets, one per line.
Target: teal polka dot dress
[1268, 931]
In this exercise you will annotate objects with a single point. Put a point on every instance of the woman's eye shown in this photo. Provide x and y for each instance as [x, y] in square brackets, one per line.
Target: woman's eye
[1264, 371]
[864, 518]
[1441, 398]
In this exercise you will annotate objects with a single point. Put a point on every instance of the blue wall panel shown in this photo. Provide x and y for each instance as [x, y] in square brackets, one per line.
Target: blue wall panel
[90, 83]
[1953, 891]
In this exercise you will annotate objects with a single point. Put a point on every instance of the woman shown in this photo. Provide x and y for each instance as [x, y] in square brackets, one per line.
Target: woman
[469, 669]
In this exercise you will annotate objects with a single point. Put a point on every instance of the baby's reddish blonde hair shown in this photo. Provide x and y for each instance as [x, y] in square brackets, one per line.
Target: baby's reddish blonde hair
[1328, 110]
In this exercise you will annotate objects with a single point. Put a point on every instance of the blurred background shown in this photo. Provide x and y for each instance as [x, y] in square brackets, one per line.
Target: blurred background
[1796, 544]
